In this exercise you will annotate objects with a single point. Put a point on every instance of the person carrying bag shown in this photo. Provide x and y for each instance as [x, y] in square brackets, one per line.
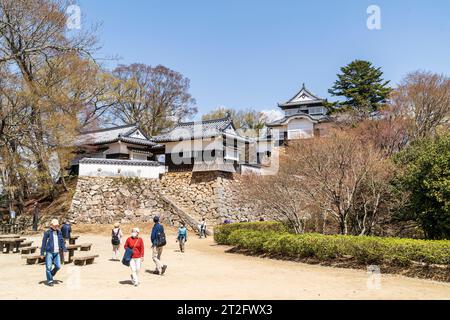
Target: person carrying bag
[116, 240]
[134, 255]
[158, 239]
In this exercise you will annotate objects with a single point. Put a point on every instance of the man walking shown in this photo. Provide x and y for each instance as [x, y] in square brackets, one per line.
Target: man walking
[182, 236]
[35, 216]
[158, 239]
[52, 245]
[12, 216]
[203, 229]
[66, 230]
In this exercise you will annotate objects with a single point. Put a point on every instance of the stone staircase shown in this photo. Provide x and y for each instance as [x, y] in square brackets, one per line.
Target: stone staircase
[182, 213]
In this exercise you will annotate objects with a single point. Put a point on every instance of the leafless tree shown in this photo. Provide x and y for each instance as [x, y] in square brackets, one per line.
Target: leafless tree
[279, 197]
[50, 89]
[155, 97]
[340, 176]
[424, 98]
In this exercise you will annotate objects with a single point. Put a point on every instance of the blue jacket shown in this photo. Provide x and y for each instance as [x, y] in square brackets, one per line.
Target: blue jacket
[182, 233]
[47, 242]
[157, 228]
[66, 229]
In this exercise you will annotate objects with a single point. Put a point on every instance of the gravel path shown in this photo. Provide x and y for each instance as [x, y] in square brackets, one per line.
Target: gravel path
[205, 271]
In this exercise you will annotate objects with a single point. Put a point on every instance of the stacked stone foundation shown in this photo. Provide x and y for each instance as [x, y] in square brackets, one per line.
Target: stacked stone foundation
[215, 196]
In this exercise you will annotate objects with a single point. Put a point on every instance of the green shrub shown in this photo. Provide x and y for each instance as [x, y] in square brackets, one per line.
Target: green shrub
[367, 250]
[272, 238]
[222, 232]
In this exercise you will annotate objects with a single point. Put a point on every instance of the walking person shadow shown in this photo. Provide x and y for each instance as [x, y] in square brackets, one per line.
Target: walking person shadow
[54, 282]
[154, 272]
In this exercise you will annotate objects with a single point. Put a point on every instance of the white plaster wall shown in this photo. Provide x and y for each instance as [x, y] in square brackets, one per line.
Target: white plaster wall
[115, 170]
[117, 148]
[264, 146]
[300, 128]
[138, 134]
[193, 145]
[250, 170]
[138, 156]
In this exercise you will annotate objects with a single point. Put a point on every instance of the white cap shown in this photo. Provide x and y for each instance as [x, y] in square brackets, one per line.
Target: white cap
[135, 230]
[54, 222]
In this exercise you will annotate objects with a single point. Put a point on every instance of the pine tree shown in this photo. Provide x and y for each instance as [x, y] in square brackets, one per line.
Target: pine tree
[363, 87]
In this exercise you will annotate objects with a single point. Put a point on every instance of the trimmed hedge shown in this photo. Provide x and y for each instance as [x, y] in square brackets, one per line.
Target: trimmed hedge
[222, 232]
[272, 238]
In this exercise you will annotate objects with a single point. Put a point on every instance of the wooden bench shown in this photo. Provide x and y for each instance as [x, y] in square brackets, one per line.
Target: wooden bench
[85, 246]
[11, 244]
[26, 244]
[34, 258]
[84, 260]
[73, 239]
[28, 250]
[71, 248]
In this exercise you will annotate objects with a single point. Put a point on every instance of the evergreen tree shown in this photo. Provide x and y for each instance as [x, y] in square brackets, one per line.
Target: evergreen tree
[363, 87]
[426, 178]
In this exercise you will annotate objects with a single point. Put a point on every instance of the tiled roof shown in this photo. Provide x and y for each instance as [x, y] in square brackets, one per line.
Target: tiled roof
[195, 130]
[141, 151]
[303, 97]
[111, 135]
[286, 119]
[119, 162]
[203, 166]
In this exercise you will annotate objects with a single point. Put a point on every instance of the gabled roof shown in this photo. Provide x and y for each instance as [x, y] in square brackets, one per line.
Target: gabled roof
[299, 115]
[109, 135]
[303, 97]
[196, 130]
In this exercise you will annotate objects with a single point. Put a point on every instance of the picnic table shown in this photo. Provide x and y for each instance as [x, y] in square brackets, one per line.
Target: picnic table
[73, 239]
[9, 236]
[71, 248]
[6, 228]
[11, 244]
[11, 228]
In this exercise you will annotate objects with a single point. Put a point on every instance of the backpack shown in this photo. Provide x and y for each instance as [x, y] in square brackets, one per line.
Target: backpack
[115, 237]
[161, 238]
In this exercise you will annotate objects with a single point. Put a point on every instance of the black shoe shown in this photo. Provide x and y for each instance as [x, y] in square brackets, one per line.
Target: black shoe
[163, 269]
[49, 284]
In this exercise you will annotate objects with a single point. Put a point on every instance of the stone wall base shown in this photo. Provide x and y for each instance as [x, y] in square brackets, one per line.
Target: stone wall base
[189, 196]
[109, 200]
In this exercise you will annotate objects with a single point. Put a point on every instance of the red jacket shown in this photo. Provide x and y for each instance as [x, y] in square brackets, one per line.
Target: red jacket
[138, 251]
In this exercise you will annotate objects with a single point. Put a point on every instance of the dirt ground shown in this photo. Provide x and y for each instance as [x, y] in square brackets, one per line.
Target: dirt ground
[204, 271]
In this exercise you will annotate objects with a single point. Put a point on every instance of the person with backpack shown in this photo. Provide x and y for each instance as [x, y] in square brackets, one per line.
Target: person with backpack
[116, 240]
[134, 255]
[203, 229]
[182, 236]
[52, 246]
[66, 230]
[158, 239]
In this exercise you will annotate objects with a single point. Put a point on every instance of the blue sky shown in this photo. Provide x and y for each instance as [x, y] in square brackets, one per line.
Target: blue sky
[254, 54]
